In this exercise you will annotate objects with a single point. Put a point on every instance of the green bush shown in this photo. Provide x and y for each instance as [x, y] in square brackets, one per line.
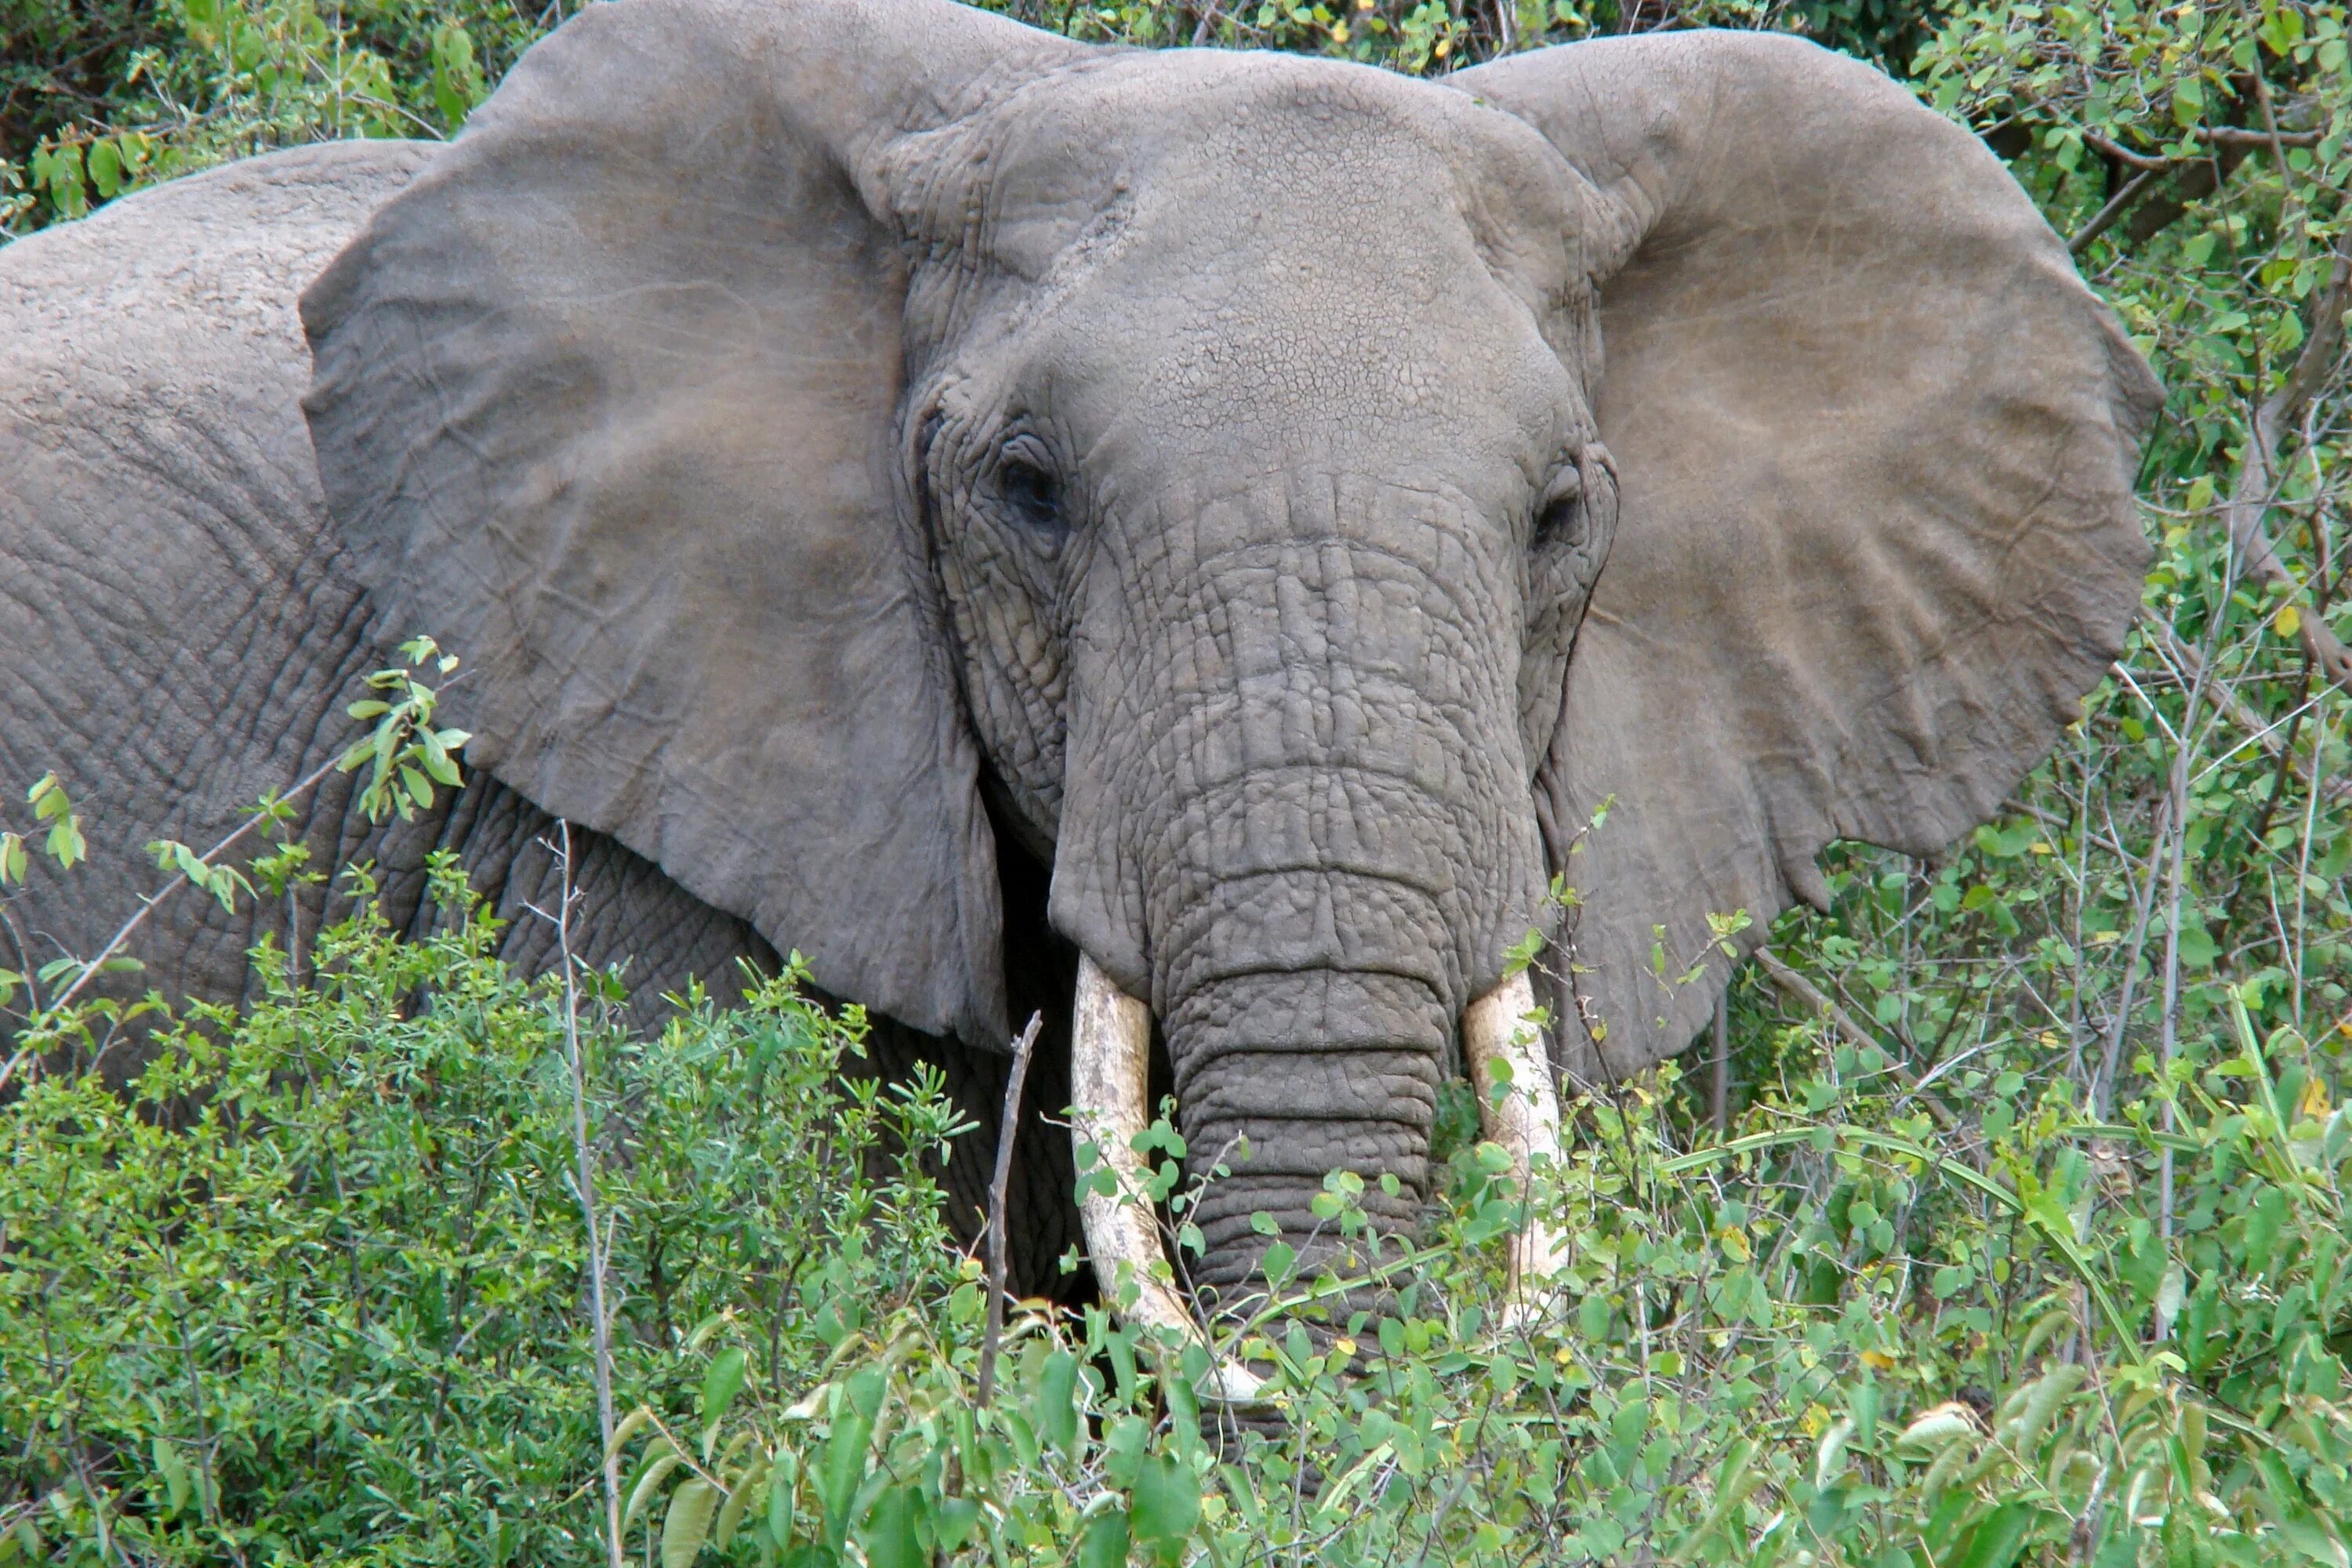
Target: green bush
[313, 1290]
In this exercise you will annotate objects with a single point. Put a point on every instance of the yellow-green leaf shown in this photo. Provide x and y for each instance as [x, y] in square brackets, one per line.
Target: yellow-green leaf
[688, 1522]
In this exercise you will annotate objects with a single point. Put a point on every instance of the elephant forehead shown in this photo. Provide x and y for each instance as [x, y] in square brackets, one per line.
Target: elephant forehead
[1244, 150]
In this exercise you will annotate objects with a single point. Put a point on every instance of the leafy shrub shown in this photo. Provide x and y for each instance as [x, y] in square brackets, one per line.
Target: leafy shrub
[313, 1290]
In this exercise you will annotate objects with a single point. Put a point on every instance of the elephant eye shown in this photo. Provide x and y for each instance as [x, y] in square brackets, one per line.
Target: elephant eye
[1560, 519]
[1031, 491]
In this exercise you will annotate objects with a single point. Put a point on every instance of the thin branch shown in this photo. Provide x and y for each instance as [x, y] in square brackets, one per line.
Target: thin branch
[1719, 1083]
[997, 1186]
[1813, 996]
[2106, 215]
[2211, 135]
[2232, 136]
[583, 1152]
[2258, 476]
[147, 906]
[2123, 154]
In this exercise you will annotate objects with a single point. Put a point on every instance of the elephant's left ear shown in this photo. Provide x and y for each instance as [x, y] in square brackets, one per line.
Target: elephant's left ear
[1876, 539]
[608, 401]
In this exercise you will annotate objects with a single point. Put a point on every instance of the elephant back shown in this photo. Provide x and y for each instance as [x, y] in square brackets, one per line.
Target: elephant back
[177, 632]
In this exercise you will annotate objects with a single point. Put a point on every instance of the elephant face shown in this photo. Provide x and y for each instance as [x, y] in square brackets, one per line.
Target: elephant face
[1263, 542]
[840, 431]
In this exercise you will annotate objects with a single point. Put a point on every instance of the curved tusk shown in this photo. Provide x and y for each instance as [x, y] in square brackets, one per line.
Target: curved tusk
[1110, 1053]
[1525, 1120]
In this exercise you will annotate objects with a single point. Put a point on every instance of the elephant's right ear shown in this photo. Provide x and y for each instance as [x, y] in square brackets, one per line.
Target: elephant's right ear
[608, 401]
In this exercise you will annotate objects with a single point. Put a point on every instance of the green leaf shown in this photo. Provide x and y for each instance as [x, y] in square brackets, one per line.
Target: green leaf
[1056, 1404]
[1106, 1540]
[649, 1484]
[2314, 1540]
[1167, 1505]
[436, 757]
[687, 1523]
[845, 1467]
[106, 167]
[66, 845]
[1996, 1539]
[953, 1518]
[779, 1505]
[178, 1489]
[12, 862]
[889, 1539]
[719, 1385]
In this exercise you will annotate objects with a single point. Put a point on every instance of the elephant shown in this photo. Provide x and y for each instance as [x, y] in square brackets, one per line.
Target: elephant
[1215, 546]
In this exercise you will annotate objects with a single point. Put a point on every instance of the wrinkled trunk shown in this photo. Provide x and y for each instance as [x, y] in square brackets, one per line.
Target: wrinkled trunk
[1289, 1076]
[1297, 827]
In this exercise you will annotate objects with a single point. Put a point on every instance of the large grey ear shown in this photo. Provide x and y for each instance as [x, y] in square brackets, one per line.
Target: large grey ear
[607, 402]
[1876, 535]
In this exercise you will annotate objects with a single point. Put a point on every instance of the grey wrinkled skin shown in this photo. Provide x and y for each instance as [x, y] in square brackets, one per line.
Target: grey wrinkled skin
[948, 497]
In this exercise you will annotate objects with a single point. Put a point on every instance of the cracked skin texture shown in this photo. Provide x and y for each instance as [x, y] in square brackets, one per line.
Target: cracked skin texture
[935, 496]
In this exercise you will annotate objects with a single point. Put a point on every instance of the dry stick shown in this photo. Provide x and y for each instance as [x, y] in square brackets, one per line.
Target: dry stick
[1805, 991]
[1720, 1088]
[586, 1179]
[2258, 477]
[2168, 1022]
[2106, 217]
[2212, 136]
[997, 1183]
[2260, 732]
[2105, 1084]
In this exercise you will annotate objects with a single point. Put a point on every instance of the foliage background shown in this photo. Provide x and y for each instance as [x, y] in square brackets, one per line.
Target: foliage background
[2016, 1237]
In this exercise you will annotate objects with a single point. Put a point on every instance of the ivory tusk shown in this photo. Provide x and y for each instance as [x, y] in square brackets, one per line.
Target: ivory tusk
[1525, 1119]
[1110, 1053]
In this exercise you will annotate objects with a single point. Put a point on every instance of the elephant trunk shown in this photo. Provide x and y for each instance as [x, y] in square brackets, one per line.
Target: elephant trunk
[1284, 1078]
[1297, 823]
[1111, 1043]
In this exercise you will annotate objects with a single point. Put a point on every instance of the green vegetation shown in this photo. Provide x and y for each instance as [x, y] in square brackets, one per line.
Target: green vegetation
[2022, 1242]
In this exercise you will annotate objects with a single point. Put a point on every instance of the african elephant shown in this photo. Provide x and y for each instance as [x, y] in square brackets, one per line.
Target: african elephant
[1193, 536]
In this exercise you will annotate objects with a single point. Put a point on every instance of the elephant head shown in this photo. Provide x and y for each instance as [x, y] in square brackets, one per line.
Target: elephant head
[853, 440]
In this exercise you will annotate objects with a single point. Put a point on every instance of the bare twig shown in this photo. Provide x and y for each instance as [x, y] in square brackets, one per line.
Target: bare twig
[2147, 902]
[2168, 1022]
[2212, 136]
[1719, 1084]
[997, 1186]
[2234, 136]
[2123, 154]
[583, 1152]
[1813, 996]
[2116, 206]
[2258, 476]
